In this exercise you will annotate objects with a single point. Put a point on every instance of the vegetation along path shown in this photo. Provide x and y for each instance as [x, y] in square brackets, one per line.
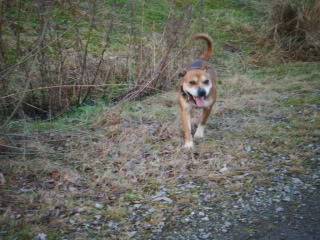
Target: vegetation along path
[105, 160]
[254, 176]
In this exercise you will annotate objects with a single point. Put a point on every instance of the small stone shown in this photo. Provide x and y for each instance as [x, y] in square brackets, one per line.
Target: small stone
[205, 218]
[147, 226]
[41, 236]
[286, 189]
[151, 210]
[227, 224]
[297, 181]
[207, 197]
[131, 234]
[224, 169]
[201, 214]
[205, 235]
[72, 189]
[98, 205]
[112, 225]
[247, 148]
[276, 200]
[26, 190]
[163, 199]
[286, 199]
[279, 209]
[137, 205]
[79, 209]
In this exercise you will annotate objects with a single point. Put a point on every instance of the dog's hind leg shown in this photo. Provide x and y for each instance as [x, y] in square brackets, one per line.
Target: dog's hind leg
[200, 129]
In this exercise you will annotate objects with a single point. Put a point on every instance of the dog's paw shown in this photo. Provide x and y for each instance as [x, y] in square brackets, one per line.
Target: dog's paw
[200, 132]
[188, 145]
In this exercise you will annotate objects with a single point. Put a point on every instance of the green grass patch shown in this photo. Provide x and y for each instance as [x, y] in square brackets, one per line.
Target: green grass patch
[309, 71]
[310, 99]
[21, 232]
[78, 117]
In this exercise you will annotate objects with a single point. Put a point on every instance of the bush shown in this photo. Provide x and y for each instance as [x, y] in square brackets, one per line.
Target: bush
[57, 55]
[296, 28]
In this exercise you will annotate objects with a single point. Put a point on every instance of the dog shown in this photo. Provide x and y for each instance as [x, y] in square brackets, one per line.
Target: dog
[197, 90]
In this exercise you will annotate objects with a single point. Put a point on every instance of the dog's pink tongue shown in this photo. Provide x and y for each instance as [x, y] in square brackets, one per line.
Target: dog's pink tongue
[199, 101]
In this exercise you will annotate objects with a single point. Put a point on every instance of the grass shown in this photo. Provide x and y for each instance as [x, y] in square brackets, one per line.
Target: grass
[304, 100]
[79, 117]
[309, 71]
[137, 153]
[123, 156]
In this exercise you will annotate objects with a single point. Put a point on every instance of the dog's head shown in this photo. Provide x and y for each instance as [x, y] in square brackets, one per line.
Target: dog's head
[197, 84]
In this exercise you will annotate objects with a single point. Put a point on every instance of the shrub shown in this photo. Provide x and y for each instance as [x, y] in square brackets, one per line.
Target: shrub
[295, 27]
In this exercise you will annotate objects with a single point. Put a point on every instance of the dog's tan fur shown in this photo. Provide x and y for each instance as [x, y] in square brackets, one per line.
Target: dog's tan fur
[200, 77]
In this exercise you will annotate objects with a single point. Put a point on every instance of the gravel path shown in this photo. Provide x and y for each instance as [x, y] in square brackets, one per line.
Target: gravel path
[294, 215]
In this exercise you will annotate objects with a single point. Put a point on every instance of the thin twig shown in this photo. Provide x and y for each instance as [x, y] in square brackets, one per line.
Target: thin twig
[107, 39]
[28, 80]
[32, 53]
[71, 86]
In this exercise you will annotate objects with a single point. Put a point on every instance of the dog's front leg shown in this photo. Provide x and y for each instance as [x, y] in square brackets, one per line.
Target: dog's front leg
[200, 129]
[186, 125]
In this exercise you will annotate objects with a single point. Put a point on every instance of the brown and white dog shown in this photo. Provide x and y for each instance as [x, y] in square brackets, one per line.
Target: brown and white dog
[197, 90]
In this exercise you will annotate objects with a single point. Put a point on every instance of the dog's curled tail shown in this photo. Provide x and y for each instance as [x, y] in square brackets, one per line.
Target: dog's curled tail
[207, 54]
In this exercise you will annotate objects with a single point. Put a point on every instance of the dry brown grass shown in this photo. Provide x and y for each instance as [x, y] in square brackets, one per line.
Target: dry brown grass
[296, 28]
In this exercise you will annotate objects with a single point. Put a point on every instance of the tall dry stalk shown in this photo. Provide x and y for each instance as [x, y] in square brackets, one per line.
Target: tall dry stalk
[107, 39]
[296, 28]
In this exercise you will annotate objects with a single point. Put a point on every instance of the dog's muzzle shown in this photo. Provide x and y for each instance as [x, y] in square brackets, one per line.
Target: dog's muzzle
[199, 100]
[202, 92]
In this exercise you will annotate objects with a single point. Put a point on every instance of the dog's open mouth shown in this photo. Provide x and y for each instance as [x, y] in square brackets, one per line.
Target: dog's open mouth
[199, 101]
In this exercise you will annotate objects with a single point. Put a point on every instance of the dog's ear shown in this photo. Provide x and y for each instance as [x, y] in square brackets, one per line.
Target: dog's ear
[182, 73]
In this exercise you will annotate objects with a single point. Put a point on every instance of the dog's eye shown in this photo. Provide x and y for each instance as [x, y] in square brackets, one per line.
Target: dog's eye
[192, 82]
[206, 82]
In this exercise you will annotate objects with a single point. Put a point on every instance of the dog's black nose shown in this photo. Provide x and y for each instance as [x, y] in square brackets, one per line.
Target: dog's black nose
[201, 92]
